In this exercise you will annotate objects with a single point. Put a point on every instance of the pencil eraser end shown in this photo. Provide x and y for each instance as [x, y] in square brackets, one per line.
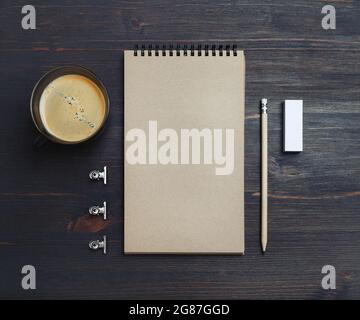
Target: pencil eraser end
[293, 126]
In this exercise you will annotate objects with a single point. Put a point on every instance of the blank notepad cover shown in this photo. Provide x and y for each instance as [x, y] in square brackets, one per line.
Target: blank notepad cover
[184, 208]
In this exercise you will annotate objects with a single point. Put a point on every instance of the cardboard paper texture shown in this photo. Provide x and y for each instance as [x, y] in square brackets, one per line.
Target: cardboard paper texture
[188, 207]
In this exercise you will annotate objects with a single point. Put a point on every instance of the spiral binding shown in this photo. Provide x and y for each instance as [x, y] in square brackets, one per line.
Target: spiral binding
[184, 50]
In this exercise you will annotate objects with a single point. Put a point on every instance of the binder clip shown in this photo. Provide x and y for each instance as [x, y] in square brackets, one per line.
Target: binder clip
[97, 211]
[98, 244]
[97, 175]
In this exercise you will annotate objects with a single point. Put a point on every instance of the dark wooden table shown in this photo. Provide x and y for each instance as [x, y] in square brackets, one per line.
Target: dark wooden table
[314, 195]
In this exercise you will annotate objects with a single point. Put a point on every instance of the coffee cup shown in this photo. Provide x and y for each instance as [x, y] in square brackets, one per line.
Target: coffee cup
[69, 105]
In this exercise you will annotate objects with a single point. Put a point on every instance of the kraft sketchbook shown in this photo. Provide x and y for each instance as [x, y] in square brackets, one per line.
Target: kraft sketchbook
[184, 151]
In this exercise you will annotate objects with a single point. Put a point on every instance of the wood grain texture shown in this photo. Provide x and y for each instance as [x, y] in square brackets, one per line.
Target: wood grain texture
[314, 196]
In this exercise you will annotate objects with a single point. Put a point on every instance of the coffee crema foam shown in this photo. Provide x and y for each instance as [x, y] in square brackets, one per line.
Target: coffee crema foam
[72, 108]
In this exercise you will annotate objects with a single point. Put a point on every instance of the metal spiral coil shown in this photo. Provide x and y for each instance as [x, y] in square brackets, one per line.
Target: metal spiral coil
[184, 50]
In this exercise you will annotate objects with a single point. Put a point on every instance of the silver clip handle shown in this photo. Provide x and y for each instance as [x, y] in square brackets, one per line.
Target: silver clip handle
[97, 175]
[98, 244]
[97, 211]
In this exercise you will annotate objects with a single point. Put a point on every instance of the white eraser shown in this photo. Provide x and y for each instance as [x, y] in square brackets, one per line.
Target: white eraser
[293, 126]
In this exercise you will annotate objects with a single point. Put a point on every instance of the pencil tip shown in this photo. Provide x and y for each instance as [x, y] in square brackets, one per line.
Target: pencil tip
[263, 247]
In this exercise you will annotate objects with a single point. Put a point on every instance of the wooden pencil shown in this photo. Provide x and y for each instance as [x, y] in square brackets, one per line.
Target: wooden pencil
[264, 175]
